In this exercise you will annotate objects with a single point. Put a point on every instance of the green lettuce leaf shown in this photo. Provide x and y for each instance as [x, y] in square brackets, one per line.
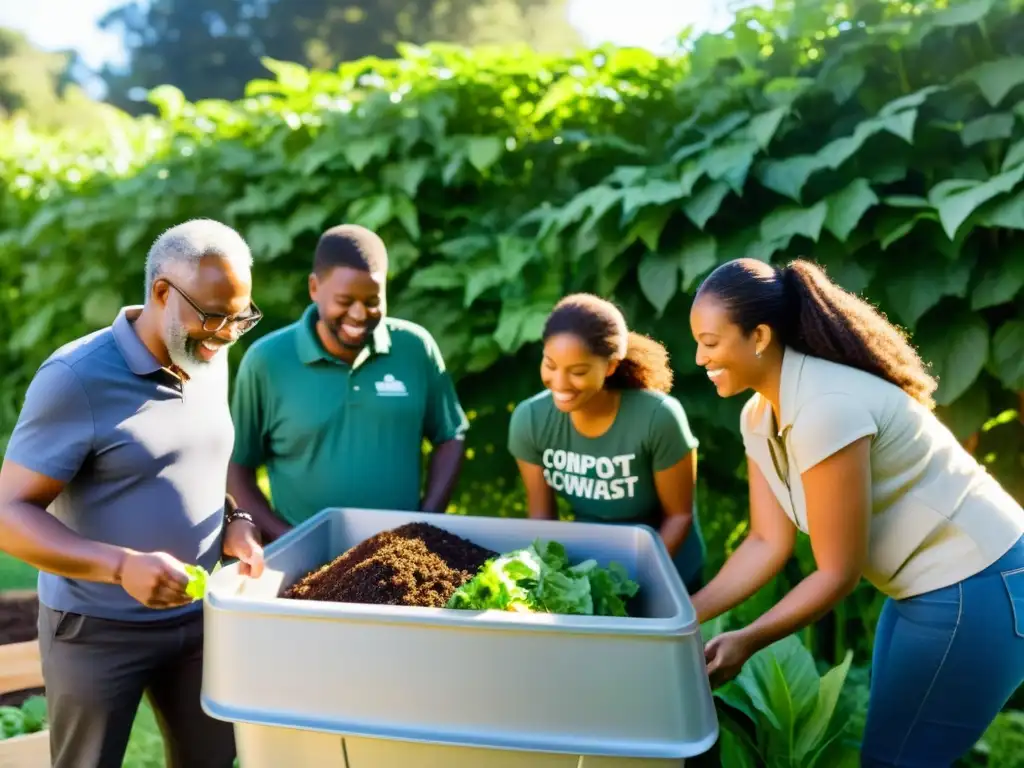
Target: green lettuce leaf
[540, 579]
[197, 576]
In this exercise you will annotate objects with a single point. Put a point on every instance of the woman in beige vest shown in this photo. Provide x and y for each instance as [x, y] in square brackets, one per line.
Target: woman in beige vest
[842, 445]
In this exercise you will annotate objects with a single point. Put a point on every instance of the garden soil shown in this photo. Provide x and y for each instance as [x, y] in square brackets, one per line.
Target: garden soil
[18, 625]
[417, 564]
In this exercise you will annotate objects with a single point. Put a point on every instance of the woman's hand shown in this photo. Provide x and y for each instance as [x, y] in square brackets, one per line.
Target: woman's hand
[726, 654]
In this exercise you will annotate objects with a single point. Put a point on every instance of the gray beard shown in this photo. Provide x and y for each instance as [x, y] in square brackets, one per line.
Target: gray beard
[183, 351]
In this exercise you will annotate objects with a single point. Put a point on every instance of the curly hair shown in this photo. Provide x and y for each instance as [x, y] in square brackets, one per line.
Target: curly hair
[643, 362]
[813, 315]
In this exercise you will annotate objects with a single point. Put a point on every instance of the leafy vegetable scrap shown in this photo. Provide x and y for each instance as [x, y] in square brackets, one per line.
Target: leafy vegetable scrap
[30, 717]
[197, 576]
[539, 579]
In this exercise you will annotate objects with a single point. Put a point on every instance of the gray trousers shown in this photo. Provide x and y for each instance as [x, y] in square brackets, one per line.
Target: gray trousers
[96, 672]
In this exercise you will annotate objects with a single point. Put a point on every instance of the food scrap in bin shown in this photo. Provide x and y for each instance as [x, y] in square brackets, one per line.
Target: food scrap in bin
[419, 564]
[415, 564]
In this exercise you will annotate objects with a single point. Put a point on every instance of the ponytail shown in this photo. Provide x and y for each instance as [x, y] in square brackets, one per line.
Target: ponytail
[643, 362]
[645, 366]
[813, 315]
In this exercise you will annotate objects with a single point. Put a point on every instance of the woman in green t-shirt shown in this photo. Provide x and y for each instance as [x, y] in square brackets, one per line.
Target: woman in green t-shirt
[606, 435]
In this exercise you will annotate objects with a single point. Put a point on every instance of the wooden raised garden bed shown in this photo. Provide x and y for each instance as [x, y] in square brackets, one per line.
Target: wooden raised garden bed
[21, 677]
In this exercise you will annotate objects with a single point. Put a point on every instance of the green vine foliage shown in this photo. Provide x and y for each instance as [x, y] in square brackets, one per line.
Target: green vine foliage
[882, 139]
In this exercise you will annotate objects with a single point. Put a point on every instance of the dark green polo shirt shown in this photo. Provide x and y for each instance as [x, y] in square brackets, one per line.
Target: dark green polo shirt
[337, 435]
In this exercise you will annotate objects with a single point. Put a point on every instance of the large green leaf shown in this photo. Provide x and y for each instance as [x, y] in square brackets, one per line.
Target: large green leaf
[912, 291]
[814, 730]
[520, 323]
[782, 684]
[405, 212]
[437, 276]
[654, 192]
[360, 152]
[702, 206]
[843, 80]
[965, 12]
[995, 79]
[483, 151]
[787, 177]
[737, 748]
[648, 226]
[482, 279]
[1002, 281]
[893, 225]
[659, 279]
[787, 221]
[730, 162]
[268, 240]
[762, 127]
[847, 207]
[1008, 354]
[290, 76]
[1007, 213]
[406, 175]
[957, 199]
[987, 128]
[698, 256]
[372, 212]
[307, 217]
[956, 345]
[909, 101]
[1014, 156]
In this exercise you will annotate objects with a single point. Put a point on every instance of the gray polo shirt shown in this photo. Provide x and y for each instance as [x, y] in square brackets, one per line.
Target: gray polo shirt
[144, 457]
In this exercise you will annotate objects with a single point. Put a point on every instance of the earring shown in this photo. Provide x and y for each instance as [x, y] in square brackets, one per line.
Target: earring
[757, 354]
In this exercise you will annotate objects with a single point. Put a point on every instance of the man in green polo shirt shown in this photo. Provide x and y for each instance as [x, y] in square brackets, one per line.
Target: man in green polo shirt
[336, 405]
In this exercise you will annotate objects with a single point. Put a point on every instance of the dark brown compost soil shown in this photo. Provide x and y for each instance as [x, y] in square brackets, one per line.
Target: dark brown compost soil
[18, 616]
[417, 564]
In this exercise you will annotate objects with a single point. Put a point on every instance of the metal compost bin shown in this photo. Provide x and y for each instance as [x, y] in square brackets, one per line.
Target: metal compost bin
[345, 685]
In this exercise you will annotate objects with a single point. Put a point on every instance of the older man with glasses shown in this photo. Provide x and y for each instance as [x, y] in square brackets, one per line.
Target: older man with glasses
[114, 479]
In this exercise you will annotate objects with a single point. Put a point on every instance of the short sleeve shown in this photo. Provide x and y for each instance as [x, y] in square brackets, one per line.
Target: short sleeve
[55, 431]
[445, 418]
[521, 443]
[671, 436]
[825, 425]
[249, 412]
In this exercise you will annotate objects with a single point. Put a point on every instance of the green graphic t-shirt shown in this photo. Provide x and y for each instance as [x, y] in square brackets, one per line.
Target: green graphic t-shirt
[610, 479]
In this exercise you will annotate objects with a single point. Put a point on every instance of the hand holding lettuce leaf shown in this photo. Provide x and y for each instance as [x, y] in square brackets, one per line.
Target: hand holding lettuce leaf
[539, 579]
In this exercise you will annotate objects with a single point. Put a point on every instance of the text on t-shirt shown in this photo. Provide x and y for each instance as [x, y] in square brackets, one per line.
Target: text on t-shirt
[570, 473]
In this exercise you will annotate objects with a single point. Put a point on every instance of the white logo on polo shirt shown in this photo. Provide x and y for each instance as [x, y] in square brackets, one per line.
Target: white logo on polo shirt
[389, 386]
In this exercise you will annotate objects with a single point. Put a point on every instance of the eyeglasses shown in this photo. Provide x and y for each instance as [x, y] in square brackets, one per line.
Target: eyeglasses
[214, 321]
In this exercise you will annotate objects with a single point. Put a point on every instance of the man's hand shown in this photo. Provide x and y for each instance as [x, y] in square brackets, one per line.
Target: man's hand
[242, 540]
[155, 579]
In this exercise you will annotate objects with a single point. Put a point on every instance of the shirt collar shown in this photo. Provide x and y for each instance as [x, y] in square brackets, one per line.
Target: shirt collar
[789, 387]
[311, 350]
[140, 360]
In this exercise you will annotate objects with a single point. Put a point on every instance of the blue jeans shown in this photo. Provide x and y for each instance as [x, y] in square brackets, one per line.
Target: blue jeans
[944, 664]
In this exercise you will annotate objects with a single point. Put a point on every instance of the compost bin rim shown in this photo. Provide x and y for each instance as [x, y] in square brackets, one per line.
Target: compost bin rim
[444, 618]
[451, 738]
[223, 586]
